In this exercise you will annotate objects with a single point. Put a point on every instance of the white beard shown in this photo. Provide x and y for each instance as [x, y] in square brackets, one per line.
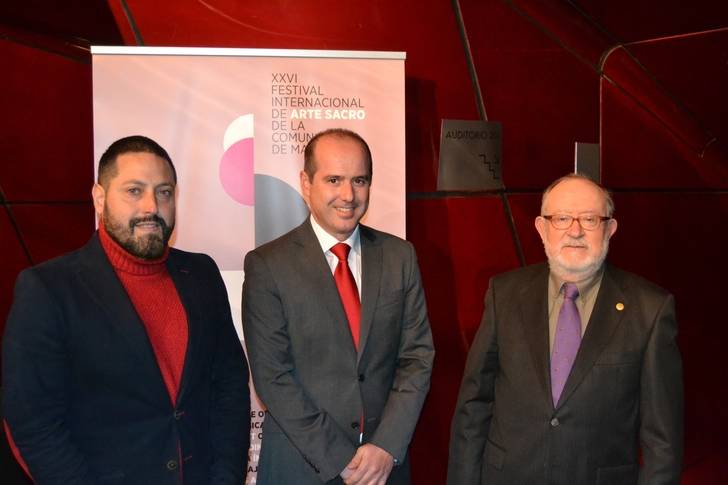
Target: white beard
[577, 271]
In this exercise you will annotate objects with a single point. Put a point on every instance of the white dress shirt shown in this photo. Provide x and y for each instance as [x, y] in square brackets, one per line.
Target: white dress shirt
[327, 241]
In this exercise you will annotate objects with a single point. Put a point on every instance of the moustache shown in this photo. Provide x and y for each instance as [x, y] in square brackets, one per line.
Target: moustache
[574, 243]
[142, 220]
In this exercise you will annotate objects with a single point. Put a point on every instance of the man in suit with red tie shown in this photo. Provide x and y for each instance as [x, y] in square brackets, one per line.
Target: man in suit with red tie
[575, 364]
[337, 332]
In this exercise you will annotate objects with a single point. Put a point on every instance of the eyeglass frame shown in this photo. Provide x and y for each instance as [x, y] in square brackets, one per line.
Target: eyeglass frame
[578, 219]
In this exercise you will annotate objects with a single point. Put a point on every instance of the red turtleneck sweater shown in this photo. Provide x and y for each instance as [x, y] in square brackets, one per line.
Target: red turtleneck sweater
[155, 298]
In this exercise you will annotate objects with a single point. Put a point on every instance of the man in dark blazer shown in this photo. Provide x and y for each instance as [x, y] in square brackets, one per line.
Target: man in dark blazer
[342, 400]
[534, 409]
[121, 364]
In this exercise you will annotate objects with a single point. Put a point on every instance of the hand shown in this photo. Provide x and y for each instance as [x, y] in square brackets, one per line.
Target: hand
[371, 465]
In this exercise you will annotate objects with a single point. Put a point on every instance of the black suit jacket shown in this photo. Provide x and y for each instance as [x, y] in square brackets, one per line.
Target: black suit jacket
[84, 397]
[624, 390]
[306, 369]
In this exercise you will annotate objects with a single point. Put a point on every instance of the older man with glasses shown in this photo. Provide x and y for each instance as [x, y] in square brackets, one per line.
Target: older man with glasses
[575, 369]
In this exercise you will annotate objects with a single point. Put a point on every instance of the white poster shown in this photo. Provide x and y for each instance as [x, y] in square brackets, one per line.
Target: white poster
[235, 123]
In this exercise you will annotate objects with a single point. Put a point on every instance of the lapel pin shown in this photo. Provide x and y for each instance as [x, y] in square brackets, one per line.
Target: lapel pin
[619, 306]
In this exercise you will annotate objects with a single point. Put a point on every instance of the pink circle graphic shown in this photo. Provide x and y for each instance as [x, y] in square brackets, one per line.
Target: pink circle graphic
[236, 172]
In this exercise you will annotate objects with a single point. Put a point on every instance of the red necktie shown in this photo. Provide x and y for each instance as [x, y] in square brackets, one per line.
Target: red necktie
[349, 293]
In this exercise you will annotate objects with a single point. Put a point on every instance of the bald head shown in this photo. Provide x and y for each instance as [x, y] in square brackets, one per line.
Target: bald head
[581, 182]
[309, 154]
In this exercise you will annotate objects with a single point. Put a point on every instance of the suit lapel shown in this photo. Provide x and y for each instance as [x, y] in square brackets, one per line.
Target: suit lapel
[371, 273]
[104, 287]
[535, 323]
[188, 291]
[313, 264]
[604, 320]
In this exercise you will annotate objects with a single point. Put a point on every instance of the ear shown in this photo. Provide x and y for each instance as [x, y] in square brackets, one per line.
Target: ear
[540, 224]
[305, 186]
[99, 197]
[611, 227]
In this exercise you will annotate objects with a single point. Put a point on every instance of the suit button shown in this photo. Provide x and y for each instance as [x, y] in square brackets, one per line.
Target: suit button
[361, 377]
[355, 425]
[178, 414]
[555, 422]
[172, 465]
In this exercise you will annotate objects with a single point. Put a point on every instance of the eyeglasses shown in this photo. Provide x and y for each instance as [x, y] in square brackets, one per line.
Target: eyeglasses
[588, 222]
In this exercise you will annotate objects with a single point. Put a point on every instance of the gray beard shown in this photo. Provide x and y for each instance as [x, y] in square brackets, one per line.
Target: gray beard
[582, 272]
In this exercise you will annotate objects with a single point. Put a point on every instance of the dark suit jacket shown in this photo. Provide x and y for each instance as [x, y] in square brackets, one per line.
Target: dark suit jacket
[625, 389]
[84, 397]
[305, 367]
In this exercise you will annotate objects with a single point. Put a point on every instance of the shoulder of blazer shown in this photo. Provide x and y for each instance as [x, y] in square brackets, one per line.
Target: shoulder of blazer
[62, 278]
[301, 235]
[90, 254]
[375, 237]
[371, 234]
[182, 260]
[524, 277]
[630, 282]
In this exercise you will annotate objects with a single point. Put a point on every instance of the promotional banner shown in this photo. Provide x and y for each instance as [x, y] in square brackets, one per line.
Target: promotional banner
[235, 123]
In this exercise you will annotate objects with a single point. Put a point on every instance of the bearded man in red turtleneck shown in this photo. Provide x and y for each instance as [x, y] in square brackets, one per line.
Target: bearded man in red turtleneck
[120, 360]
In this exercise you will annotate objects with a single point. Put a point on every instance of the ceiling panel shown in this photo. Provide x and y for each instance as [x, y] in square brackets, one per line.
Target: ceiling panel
[46, 141]
[693, 70]
[76, 22]
[50, 230]
[629, 20]
[438, 84]
[545, 97]
[639, 151]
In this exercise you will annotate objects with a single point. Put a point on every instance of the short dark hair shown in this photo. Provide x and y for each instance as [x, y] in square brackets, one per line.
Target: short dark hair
[309, 159]
[578, 176]
[129, 144]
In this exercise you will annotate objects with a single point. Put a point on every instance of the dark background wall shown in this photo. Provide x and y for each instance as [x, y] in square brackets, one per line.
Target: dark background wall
[647, 80]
